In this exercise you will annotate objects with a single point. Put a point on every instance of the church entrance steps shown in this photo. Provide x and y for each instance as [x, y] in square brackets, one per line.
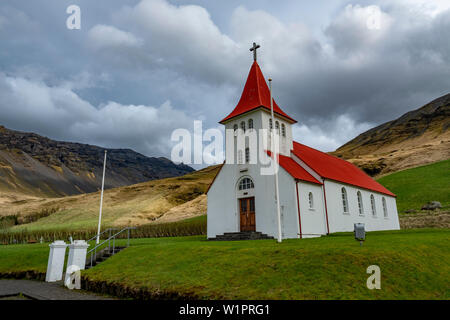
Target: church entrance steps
[245, 235]
[102, 256]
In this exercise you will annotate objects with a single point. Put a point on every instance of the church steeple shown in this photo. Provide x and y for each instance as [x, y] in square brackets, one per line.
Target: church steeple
[255, 95]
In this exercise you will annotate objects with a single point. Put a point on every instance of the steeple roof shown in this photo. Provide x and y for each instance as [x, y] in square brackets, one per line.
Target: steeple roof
[256, 94]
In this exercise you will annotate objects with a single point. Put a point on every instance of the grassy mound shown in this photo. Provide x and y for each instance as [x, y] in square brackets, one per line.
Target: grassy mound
[414, 265]
[415, 187]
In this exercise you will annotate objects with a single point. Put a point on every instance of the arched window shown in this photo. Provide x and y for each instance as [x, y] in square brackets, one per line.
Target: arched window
[277, 127]
[250, 123]
[372, 204]
[311, 200]
[360, 204]
[344, 200]
[283, 130]
[240, 157]
[383, 200]
[270, 124]
[245, 184]
[243, 126]
[247, 155]
[235, 127]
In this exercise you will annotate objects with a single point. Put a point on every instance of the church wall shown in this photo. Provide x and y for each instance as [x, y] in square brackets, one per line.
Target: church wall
[286, 144]
[256, 117]
[340, 221]
[313, 219]
[265, 205]
[223, 205]
[222, 216]
[288, 206]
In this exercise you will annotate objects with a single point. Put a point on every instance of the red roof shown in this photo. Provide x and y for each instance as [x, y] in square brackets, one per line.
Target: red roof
[294, 169]
[256, 94]
[333, 168]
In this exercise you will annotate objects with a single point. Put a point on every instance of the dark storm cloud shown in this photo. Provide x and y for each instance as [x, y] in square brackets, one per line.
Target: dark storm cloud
[139, 69]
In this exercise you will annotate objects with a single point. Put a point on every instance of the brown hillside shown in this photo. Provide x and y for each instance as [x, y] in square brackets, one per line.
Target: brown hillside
[418, 137]
[38, 166]
[163, 200]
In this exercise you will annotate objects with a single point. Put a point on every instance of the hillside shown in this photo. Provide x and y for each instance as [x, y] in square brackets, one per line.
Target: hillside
[414, 265]
[418, 137]
[37, 166]
[417, 186]
[164, 200]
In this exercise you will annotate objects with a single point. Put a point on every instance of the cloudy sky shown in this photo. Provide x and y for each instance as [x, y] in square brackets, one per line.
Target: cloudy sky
[137, 70]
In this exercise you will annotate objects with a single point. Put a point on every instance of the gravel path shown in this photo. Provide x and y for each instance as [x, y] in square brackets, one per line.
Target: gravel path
[43, 291]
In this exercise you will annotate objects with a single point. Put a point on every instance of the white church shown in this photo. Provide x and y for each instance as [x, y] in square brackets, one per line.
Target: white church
[319, 194]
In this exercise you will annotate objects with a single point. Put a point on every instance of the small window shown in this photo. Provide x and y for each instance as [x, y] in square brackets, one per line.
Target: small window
[383, 200]
[250, 123]
[344, 200]
[240, 157]
[235, 127]
[372, 204]
[243, 126]
[360, 204]
[247, 155]
[283, 130]
[277, 127]
[270, 124]
[245, 184]
[311, 200]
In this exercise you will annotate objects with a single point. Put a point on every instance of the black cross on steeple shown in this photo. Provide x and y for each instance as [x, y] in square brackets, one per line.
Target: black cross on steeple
[253, 48]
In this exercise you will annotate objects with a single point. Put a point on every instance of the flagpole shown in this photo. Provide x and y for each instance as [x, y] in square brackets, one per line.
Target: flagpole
[101, 200]
[275, 156]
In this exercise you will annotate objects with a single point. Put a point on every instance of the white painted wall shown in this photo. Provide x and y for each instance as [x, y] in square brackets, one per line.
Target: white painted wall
[223, 206]
[313, 219]
[340, 221]
[286, 144]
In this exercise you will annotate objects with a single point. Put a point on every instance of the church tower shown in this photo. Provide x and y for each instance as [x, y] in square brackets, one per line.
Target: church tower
[253, 111]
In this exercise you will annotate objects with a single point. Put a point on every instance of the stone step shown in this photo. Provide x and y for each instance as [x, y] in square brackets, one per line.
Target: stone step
[102, 255]
[246, 235]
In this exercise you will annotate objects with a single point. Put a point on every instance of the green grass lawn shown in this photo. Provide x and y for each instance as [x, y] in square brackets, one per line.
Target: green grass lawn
[415, 187]
[415, 264]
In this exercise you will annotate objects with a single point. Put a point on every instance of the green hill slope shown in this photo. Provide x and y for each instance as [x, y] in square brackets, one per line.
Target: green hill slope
[414, 264]
[415, 187]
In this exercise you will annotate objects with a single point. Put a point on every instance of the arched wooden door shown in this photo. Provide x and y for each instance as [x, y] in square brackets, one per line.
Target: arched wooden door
[247, 214]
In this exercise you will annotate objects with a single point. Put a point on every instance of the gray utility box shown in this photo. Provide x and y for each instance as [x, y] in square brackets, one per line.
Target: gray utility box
[360, 232]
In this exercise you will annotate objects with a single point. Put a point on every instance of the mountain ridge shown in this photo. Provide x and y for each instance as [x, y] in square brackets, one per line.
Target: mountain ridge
[418, 137]
[36, 165]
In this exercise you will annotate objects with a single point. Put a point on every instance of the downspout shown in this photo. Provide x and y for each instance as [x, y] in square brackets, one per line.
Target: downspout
[298, 207]
[326, 210]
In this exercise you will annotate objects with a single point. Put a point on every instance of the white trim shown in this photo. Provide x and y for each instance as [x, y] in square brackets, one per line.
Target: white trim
[307, 168]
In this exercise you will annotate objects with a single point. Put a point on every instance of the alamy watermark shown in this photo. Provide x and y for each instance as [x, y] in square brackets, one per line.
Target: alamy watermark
[74, 20]
[72, 279]
[249, 146]
[374, 281]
